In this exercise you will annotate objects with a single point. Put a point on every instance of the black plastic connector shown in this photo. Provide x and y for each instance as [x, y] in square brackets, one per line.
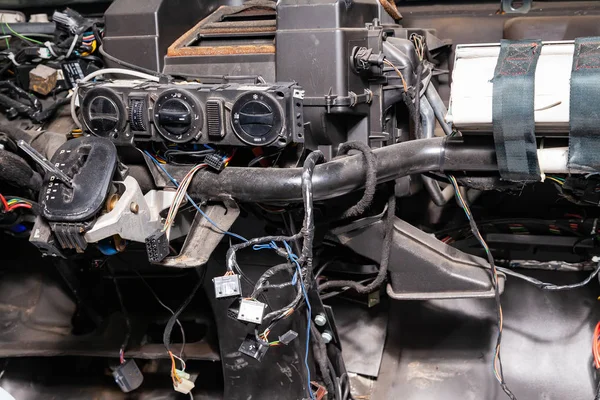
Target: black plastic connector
[252, 348]
[216, 161]
[128, 376]
[157, 246]
[363, 59]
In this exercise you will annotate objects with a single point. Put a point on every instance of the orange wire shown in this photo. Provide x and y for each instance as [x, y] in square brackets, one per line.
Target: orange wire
[173, 368]
[596, 346]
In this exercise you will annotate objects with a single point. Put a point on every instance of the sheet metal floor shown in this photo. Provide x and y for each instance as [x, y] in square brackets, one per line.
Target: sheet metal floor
[442, 350]
[438, 350]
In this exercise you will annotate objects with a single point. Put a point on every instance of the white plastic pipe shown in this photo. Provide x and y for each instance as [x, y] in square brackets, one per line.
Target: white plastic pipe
[554, 160]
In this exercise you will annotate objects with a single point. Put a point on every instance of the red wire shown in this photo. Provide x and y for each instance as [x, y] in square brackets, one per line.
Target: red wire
[4, 203]
[596, 346]
[19, 205]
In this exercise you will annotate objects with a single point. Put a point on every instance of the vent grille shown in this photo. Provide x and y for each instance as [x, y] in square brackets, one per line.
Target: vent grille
[214, 116]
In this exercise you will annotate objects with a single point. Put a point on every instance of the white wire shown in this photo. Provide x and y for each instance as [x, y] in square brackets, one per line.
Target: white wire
[95, 74]
[75, 39]
[11, 57]
[183, 365]
[49, 46]
[179, 197]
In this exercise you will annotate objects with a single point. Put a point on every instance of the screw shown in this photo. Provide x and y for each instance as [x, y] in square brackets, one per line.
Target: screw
[327, 337]
[320, 320]
[134, 207]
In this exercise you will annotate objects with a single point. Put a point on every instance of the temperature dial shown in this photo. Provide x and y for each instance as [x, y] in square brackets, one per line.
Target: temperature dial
[103, 112]
[137, 108]
[257, 118]
[178, 116]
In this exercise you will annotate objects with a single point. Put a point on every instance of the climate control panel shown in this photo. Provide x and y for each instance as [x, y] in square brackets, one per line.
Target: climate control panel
[229, 114]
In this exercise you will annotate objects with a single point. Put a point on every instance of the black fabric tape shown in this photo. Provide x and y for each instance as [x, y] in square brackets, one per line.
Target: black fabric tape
[584, 137]
[513, 110]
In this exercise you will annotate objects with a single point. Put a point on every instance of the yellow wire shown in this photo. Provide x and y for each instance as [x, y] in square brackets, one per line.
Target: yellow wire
[555, 180]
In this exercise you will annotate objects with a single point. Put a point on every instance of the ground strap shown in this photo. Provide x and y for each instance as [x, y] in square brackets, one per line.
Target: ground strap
[584, 120]
[513, 110]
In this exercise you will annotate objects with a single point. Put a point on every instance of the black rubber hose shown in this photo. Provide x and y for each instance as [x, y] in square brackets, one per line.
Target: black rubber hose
[342, 176]
[16, 171]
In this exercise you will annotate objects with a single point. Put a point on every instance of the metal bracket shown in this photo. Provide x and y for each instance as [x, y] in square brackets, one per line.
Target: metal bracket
[204, 237]
[515, 7]
[134, 216]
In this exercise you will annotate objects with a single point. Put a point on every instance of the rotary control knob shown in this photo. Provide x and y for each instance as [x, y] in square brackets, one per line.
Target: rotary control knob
[257, 118]
[103, 112]
[178, 116]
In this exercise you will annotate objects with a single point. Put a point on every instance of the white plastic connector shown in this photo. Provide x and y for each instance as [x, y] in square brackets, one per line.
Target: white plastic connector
[227, 286]
[251, 311]
[185, 386]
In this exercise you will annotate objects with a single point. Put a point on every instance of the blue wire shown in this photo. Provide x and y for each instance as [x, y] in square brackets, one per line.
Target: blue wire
[272, 245]
[208, 147]
[192, 202]
[294, 259]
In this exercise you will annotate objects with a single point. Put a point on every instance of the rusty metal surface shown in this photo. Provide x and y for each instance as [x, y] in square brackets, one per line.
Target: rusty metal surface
[390, 7]
[223, 50]
[216, 24]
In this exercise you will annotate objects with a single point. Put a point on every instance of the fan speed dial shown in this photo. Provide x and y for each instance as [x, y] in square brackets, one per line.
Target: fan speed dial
[178, 116]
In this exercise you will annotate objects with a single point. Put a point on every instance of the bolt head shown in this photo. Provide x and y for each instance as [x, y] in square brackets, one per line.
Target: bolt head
[134, 207]
[327, 337]
[320, 320]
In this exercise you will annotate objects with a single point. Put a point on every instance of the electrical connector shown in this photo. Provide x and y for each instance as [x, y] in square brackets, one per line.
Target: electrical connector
[251, 311]
[252, 348]
[185, 386]
[183, 374]
[70, 20]
[128, 376]
[288, 337]
[216, 161]
[227, 286]
[157, 246]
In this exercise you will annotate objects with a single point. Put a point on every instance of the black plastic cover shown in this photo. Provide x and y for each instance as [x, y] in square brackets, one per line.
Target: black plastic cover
[128, 376]
[91, 163]
[252, 348]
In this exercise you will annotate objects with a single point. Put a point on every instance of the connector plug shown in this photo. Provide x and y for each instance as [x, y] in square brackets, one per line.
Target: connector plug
[251, 311]
[227, 286]
[216, 161]
[157, 246]
[185, 386]
[128, 376]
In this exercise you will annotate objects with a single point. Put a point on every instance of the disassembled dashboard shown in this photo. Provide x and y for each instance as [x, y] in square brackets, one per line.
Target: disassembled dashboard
[229, 114]
[259, 186]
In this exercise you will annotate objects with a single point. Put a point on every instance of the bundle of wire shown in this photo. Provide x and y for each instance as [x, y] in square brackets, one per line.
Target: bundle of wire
[13, 203]
[497, 364]
[596, 354]
[180, 195]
